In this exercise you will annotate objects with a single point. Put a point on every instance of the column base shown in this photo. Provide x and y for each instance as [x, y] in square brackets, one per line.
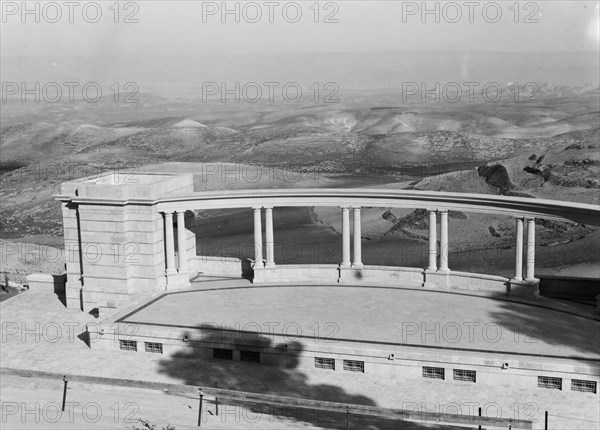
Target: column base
[349, 274]
[177, 281]
[436, 279]
[269, 264]
[357, 265]
[524, 287]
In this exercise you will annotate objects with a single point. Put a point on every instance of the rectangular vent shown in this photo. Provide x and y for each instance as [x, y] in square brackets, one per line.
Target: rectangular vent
[325, 363]
[583, 386]
[464, 375]
[154, 347]
[354, 366]
[251, 356]
[433, 372]
[550, 382]
[223, 354]
[128, 345]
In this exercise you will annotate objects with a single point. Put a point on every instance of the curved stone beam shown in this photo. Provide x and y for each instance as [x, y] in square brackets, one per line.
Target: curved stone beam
[479, 203]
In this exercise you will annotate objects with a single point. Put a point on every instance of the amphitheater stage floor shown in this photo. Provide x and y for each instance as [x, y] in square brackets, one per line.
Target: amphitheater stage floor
[380, 315]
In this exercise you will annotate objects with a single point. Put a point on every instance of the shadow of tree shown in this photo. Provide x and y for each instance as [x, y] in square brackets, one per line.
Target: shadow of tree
[278, 373]
[573, 335]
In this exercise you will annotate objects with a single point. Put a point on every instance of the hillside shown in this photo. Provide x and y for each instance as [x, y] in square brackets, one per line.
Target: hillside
[545, 149]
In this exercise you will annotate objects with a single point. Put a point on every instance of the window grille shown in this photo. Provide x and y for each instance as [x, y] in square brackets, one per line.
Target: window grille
[354, 366]
[223, 354]
[251, 356]
[154, 347]
[325, 363]
[464, 375]
[550, 382]
[583, 385]
[128, 345]
[433, 372]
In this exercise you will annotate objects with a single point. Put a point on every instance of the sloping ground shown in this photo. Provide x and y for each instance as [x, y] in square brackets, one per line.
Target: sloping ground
[367, 136]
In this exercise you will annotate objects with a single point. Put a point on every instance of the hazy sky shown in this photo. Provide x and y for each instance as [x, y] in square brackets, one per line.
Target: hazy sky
[180, 27]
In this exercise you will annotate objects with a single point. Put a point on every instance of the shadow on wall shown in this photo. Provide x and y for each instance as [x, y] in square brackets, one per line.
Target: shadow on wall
[197, 367]
[59, 288]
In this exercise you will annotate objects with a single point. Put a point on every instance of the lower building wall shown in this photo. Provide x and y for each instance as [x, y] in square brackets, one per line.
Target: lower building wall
[383, 360]
[380, 368]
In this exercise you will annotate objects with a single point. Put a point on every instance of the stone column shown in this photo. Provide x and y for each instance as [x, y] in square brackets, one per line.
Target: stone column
[345, 237]
[269, 236]
[169, 243]
[519, 251]
[357, 235]
[432, 241]
[530, 275]
[444, 241]
[258, 253]
[181, 242]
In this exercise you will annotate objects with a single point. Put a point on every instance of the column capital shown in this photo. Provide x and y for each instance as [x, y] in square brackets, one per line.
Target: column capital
[268, 208]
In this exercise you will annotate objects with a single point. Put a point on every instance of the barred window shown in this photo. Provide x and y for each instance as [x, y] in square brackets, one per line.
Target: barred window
[252, 356]
[354, 366]
[583, 386]
[550, 382]
[223, 354]
[153, 347]
[433, 372]
[464, 375]
[128, 345]
[325, 363]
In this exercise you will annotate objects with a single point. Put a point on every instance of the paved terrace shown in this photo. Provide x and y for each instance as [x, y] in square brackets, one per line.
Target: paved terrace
[393, 316]
[41, 349]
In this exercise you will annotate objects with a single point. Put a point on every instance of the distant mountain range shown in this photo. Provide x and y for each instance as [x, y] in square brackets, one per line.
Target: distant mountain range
[183, 76]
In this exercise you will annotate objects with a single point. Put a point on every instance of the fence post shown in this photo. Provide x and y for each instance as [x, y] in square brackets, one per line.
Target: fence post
[347, 418]
[64, 392]
[217, 405]
[200, 407]
[546, 420]
[480, 416]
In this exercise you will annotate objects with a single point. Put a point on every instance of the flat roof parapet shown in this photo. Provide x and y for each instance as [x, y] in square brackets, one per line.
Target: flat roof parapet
[127, 186]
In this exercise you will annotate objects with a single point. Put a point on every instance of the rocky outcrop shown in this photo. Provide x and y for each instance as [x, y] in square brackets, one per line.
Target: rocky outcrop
[497, 176]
